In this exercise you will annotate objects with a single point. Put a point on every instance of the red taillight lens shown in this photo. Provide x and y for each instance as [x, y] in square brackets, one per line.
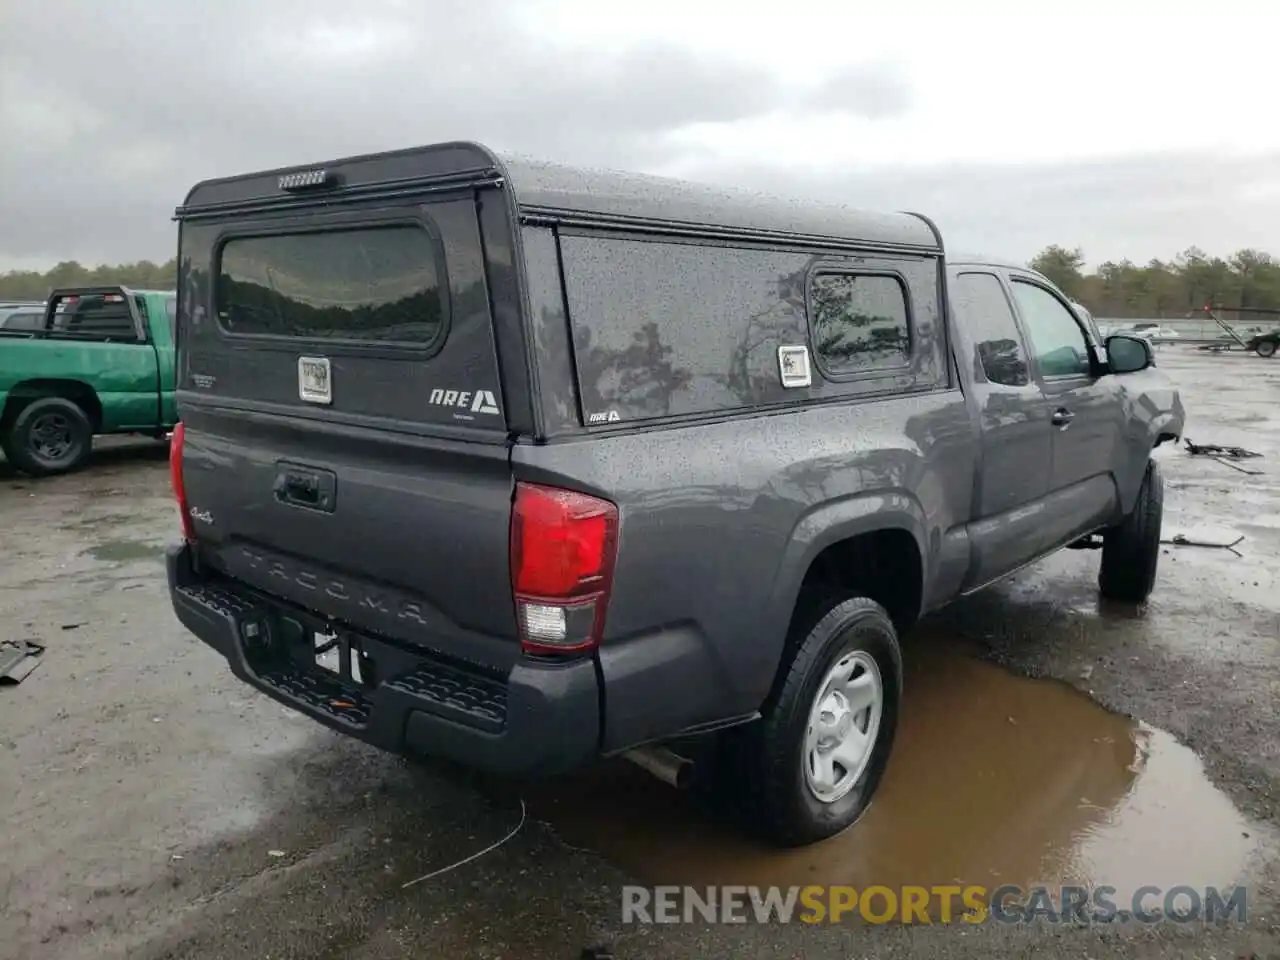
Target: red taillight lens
[563, 545]
[561, 540]
[175, 478]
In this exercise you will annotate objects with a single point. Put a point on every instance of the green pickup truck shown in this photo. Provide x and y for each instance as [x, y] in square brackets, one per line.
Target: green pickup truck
[100, 362]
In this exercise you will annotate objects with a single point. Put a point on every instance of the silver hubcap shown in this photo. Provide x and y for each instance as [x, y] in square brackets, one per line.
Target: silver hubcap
[843, 724]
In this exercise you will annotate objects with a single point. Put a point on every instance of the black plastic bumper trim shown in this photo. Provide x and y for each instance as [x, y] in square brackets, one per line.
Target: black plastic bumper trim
[542, 718]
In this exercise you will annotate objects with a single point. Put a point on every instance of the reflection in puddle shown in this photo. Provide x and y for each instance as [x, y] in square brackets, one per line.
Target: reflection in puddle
[995, 780]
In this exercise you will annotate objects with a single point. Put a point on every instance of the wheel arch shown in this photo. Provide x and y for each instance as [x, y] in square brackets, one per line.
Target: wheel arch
[77, 391]
[872, 544]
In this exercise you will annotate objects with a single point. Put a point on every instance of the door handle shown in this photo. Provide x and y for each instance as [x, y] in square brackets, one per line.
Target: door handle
[1062, 416]
[301, 486]
[296, 488]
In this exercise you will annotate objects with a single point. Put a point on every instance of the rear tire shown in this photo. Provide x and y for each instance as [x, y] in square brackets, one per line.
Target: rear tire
[1131, 551]
[50, 435]
[1267, 348]
[810, 767]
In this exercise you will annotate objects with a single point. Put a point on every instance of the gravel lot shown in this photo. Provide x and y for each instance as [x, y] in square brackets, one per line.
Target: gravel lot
[155, 807]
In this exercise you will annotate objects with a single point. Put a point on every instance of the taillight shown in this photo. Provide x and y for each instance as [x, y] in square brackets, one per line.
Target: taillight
[175, 478]
[563, 545]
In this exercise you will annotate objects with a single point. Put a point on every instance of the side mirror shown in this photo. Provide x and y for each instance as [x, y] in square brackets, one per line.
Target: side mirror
[1128, 354]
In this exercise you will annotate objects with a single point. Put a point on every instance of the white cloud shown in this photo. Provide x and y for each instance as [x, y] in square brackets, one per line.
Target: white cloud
[1000, 82]
[1132, 127]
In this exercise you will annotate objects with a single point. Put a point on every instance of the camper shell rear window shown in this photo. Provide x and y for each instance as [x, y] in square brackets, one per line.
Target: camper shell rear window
[379, 284]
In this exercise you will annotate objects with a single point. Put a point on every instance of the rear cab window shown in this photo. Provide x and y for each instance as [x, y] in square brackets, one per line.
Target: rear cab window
[96, 317]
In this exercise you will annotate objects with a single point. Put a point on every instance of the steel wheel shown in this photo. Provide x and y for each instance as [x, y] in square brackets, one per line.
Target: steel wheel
[842, 728]
[48, 435]
[51, 436]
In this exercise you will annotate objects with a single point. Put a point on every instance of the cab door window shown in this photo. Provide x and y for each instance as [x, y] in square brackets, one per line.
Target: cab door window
[1057, 341]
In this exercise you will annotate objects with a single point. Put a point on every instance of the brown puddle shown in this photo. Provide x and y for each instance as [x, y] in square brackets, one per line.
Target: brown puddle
[995, 779]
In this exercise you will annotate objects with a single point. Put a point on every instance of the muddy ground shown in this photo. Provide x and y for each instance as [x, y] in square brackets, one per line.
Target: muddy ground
[152, 806]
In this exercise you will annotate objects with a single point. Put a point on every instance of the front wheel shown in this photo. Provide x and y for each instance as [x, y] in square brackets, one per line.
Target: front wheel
[810, 767]
[1131, 551]
[1266, 348]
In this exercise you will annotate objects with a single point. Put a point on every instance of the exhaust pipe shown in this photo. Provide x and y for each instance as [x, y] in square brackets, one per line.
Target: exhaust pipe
[672, 769]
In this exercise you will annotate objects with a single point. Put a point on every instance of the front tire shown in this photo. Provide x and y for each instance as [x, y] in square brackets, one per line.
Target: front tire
[1266, 348]
[1131, 551]
[810, 767]
[50, 435]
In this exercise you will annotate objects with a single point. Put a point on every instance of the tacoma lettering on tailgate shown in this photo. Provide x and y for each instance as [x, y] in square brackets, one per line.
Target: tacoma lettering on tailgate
[377, 601]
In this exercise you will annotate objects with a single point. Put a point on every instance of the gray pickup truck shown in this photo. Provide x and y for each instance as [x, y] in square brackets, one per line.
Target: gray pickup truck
[527, 466]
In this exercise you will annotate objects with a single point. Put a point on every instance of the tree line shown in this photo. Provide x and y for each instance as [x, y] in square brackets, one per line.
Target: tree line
[1116, 289]
[34, 285]
[1165, 289]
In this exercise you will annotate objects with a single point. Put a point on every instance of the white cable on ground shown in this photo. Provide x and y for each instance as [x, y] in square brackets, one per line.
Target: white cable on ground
[475, 856]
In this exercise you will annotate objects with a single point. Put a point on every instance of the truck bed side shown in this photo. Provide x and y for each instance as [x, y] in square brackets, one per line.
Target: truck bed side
[724, 507]
[712, 555]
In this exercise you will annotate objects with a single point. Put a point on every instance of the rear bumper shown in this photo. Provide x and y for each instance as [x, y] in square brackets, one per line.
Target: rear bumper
[539, 719]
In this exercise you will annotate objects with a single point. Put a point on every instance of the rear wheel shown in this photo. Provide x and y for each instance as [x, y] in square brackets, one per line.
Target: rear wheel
[1131, 551]
[1265, 348]
[50, 435]
[810, 767]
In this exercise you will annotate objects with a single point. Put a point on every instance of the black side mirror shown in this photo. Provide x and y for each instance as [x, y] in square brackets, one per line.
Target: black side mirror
[1129, 354]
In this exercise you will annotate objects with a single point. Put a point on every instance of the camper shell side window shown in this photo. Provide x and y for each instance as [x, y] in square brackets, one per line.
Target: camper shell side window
[860, 322]
[678, 328]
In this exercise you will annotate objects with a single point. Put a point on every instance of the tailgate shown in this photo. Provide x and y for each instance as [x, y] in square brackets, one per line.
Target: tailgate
[345, 444]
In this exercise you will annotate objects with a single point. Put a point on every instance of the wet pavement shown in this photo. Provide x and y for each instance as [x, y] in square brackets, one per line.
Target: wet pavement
[999, 780]
[155, 807]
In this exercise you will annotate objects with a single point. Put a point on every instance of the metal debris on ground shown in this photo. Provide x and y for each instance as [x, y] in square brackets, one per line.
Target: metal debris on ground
[1223, 455]
[17, 659]
[1214, 450]
[1181, 540]
[524, 813]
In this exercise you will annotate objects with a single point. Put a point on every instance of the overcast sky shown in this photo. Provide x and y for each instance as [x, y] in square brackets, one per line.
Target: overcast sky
[1127, 127]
